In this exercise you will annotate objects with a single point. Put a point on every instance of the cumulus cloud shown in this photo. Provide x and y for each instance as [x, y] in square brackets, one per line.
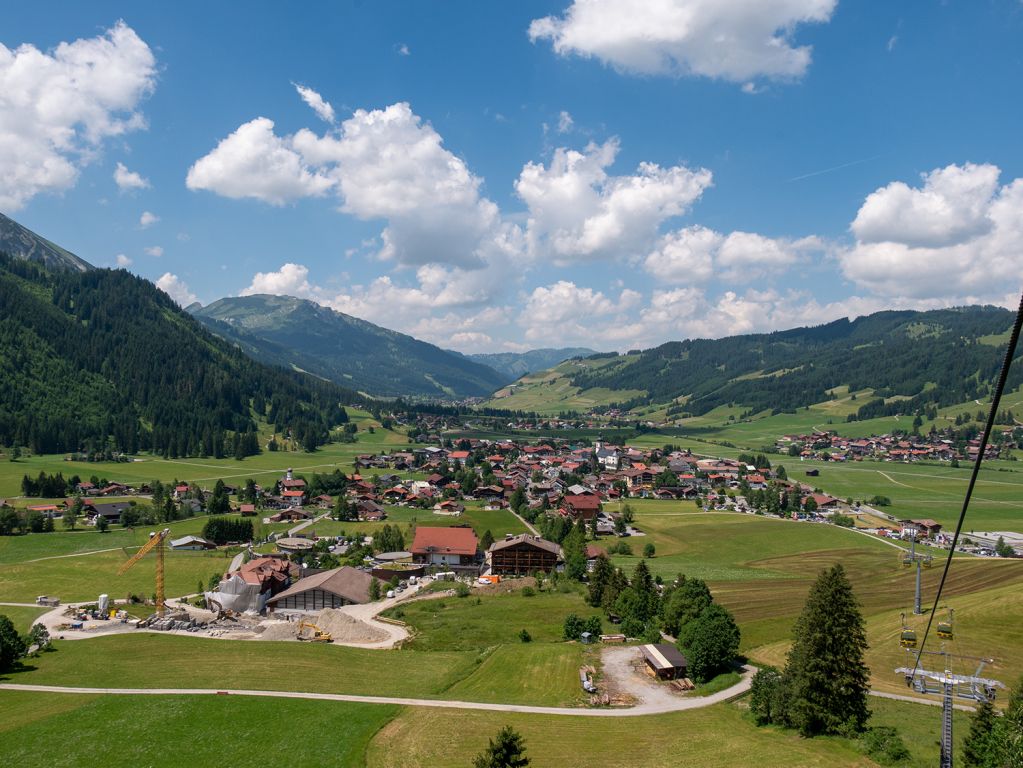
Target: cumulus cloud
[567, 313]
[316, 102]
[123, 261]
[147, 219]
[403, 50]
[176, 288]
[695, 254]
[57, 108]
[577, 211]
[389, 164]
[254, 162]
[952, 206]
[710, 38]
[956, 238]
[154, 250]
[289, 280]
[128, 180]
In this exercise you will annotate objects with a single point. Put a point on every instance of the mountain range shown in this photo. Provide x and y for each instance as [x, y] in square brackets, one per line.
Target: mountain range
[514, 365]
[301, 334]
[898, 362]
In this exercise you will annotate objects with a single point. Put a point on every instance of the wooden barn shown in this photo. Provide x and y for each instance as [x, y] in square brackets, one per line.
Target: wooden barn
[666, 661]
[523, 554]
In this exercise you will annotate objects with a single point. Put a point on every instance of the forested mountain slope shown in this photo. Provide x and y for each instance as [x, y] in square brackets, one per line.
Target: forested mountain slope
[909, 359]
[301, 334]
[99, 359]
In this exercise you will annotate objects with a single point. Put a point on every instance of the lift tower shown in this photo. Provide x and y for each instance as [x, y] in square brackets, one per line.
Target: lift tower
[912, 558]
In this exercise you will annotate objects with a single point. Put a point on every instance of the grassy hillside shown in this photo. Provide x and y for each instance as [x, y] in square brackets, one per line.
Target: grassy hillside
[941, 357]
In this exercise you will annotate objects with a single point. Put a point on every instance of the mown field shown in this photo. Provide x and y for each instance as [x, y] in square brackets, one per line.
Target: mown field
[229, 730]
[50, 730]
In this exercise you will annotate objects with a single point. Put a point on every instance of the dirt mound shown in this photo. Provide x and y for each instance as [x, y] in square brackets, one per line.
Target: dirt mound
[347, 629]
[277, 630]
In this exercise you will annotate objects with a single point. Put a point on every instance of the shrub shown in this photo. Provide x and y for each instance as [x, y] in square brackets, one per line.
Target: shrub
[528, 592]
[461, 589]
[524, 636]
[885, 745]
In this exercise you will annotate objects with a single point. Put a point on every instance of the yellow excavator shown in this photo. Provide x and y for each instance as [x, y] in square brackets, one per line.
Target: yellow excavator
[317, 636]
[156, 541]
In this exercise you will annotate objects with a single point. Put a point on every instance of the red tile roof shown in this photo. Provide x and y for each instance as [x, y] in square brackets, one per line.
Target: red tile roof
[456, 541]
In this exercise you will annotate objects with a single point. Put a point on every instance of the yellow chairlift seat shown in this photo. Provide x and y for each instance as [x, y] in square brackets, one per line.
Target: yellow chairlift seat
[945, 630]
[908, 638]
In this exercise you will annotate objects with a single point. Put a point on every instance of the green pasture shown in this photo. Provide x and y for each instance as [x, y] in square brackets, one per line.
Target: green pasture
[498, 522]
[22, 617]
[85, 577]
[196, 662]
[481, 621]
[70, 730]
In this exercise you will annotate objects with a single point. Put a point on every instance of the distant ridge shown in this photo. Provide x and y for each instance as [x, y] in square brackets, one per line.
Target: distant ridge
[517, 364]
[22, 243]
[300, 334]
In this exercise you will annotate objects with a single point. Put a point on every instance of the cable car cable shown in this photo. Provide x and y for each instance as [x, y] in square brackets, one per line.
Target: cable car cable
[995, 401]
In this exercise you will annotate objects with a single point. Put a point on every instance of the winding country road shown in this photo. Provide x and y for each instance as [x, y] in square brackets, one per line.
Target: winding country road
[679, 705]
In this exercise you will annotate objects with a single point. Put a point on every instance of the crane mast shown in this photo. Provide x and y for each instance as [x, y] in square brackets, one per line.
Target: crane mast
[156, 541]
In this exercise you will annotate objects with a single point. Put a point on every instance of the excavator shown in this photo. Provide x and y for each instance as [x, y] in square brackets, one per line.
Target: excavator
[317, 636]
[156, 541]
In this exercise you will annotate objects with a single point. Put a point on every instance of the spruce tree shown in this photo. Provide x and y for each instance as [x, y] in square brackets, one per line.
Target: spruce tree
[980, 748]
[599, 579]
[507, 752]
[1011, 728]
[825, 678]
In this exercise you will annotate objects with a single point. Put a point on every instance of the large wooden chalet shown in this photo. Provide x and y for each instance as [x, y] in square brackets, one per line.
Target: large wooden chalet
[524, 554]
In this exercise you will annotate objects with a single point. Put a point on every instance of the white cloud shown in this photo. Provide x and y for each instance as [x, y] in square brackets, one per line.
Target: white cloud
[577, 211]
[695, 254]
[155, 251]
[289, 280]
[953, 206]
[389, 164]
[565, 122]
[316, 102]
[254, 162]
[736, 41]
[123, 261]
[176, 288]
[147, 219]
[403, 50]
[891, 43]
[565, 313]
[958, 238]
[57, 108]
[127, 180]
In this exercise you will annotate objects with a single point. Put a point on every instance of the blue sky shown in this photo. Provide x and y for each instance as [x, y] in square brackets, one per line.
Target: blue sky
[499, 176]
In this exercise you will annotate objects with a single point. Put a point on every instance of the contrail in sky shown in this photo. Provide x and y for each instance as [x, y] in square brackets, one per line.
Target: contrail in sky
[829, 170]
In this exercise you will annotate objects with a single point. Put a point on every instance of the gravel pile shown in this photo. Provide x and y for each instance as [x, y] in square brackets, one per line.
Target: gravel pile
[278, 630]
[346, 629]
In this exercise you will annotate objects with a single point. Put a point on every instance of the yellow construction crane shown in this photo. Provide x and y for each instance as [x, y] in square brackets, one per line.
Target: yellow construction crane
[156, 541]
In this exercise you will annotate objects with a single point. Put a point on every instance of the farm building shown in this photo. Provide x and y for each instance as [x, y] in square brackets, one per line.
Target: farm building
[664, 660]
[524, 554]
[192, 542]
[330, 589]
[449, 547]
